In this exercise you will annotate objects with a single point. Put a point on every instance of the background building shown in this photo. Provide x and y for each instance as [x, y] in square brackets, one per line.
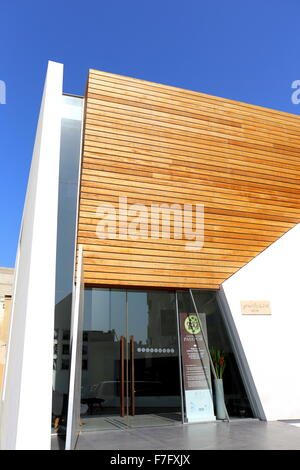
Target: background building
[6, 284]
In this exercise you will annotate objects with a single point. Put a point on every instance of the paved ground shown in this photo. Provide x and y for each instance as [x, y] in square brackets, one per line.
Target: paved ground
[246, 435]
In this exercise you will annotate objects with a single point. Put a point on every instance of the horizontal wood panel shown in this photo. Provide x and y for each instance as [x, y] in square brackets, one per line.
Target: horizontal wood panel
[151, 282]
[175, 127]
[217, 141]
[194, 192]
[262, 130]
[157, 144]
[213, 171]
[108, 119]
[103, 193]
[161, 272]
[200, 99]
[159, 141]
[94, 257]
[189, 119]
[218, 254]
[158, 158]
[119, 163]
[97, 197]
[164, 229]
[93, 217]
[248, 220]
[225, 242]
[172, 246]
[206, 126]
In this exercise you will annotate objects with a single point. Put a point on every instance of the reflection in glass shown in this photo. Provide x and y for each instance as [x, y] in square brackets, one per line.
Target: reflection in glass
[236, 400]
[152, 323]
[66, 238]
[198, 393]
[146, 322]
[130, 363]
[104, 324]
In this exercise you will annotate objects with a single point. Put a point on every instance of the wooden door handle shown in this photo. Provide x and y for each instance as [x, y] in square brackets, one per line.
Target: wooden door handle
[122, 376]
[132, 381]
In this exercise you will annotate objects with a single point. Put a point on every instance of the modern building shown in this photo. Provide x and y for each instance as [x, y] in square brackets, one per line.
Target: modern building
[159, 243]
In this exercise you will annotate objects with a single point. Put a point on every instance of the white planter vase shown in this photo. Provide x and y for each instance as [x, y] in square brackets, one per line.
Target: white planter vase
[219, 396]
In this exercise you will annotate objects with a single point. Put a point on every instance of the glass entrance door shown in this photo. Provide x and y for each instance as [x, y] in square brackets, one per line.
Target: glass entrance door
[130, 367]
[153, 359]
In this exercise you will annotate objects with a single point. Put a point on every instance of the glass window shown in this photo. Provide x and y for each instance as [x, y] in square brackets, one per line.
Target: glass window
[237, 402]
[143, 325]
[66, 238]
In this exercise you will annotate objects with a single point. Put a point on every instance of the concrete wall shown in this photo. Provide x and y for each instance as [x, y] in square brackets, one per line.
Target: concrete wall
[271, 342]
[27, 394]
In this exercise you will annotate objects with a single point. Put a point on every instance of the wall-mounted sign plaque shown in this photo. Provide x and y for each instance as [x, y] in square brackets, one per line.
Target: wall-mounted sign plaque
[255, 307]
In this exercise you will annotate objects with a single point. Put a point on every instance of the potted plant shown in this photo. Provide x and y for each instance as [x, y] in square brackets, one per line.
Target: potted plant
[218, 359]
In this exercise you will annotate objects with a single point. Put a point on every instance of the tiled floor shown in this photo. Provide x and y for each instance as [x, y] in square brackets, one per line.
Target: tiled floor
[211, 436]
[110, 423]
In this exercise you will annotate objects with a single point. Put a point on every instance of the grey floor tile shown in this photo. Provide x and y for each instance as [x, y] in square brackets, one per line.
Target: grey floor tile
[216, 436]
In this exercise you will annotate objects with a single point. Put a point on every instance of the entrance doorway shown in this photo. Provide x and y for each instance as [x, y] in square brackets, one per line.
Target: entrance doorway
[130, 360]
[133, 374]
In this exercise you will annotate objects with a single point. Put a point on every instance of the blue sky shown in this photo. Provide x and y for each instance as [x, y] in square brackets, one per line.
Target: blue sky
[246, 50]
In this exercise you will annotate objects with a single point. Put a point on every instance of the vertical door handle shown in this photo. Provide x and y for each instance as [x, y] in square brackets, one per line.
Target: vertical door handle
[122, 376]
[132, 382]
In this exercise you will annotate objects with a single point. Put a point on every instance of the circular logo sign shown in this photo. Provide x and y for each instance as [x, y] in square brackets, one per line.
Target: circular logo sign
[191, 325]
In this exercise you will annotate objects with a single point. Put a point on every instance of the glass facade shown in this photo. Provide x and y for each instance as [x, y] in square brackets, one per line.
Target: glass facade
[219, 344]
[130, 373]
[132, 365]
[71, 125]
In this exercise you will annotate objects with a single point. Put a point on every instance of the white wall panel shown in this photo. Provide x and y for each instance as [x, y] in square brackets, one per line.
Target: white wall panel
[271, 342]
[27, 396]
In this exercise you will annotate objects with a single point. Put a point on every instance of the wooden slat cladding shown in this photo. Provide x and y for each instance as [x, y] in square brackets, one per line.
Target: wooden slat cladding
[156, 144]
